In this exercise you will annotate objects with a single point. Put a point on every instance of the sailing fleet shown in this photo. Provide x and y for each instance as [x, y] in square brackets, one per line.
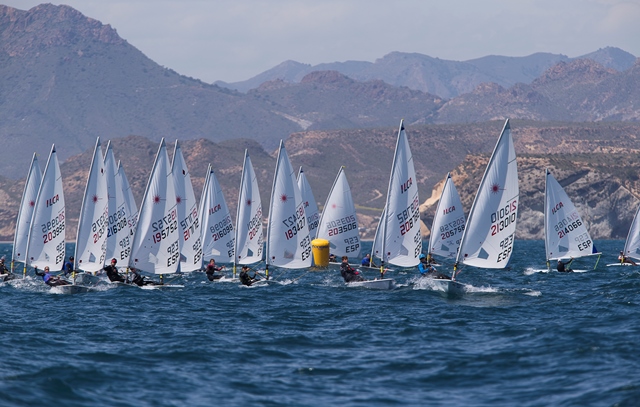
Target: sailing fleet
[171, 233]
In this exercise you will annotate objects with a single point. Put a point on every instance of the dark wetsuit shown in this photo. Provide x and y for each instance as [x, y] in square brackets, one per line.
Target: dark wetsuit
[561, 267]
[349, 274]
[112, 273]
[246, 279]
[4, 270]
[211, 272]
[139, 280]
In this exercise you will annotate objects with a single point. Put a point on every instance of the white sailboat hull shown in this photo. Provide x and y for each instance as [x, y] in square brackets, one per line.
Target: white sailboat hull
[449, 288]
[383, 284]
[161, 286]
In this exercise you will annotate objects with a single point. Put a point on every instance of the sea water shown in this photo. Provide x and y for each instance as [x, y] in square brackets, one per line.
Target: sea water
[517, 337]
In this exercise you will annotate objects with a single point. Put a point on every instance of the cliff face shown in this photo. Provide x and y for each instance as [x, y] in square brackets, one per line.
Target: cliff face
[598, 164]
[603, 187]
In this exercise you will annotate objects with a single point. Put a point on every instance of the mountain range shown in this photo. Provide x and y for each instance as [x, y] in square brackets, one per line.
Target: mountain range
[67, 78]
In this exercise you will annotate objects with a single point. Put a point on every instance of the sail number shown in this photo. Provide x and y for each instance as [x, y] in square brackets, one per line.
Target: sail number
[125, 247]
[409, 217]
[254, 225]
[506, 245]
[305, 245]
[342, 225]
[174, 254]
[503, 217]
[295, 222]
[221, 229]
[190, 224]
[352, 244]
[568, 225]
[53, 228]
[583, 241]
[165, 226]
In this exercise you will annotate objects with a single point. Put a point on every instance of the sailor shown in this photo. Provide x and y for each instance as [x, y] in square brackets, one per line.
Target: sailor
[112, 272]
[49, 279]
[245, 278]
[427, 270]
[5, 273]
[211, 270]
[68, 266]
[367, 262]
[348, 273]
[138, 279]
[561, 266]
[624, 259]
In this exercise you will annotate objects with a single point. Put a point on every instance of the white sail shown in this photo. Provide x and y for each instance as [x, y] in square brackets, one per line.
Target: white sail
[131, 210]
[376, 247]
[338, 221]
[91, 238]
[156, 246]
[288, 243]
[249, 230]
[310, 204]
[218, 233]
[25, 212]
[188, 216]
[45, 245]
[119, 232]
[401, 238]
[566, 234]
[632, 245]
[448, 223]
[488, 237]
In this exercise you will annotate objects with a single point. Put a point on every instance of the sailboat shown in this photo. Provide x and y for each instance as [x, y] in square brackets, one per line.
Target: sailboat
[288, 243]
[218, 233]
[310, 204]
[45, 244]
[632, 244]
[156, 243]
[487, 240]
[338, 222]
[249, 239]
[566, 234]
[91, 237]
[398, 240]
[448, 223]
[121, 226]
[25, 213]
[188, 216]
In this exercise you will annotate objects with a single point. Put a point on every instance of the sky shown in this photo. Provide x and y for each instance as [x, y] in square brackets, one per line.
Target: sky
[234, 40]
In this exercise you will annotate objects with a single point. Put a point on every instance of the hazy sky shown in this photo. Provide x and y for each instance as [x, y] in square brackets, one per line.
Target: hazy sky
[233, 40]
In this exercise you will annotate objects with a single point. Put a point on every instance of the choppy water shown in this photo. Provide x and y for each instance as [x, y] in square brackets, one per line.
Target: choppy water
[519, 337]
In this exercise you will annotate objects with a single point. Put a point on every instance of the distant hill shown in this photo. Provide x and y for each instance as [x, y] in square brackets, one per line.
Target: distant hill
[444, 78]
[66, 79]
[598, 162]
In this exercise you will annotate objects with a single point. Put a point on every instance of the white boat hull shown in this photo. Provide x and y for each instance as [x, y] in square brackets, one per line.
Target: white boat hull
[449, 288]
[383, 284]
[160, 286]
[619, 264]
[86, 279]
[70, 289]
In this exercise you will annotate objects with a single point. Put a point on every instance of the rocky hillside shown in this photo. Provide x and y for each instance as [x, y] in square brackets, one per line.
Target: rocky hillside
[599, 164]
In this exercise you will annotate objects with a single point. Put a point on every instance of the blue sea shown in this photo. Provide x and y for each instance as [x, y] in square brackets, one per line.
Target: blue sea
[517, 338]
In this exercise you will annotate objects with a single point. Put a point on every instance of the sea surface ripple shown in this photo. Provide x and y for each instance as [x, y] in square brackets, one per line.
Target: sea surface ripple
[518, 337]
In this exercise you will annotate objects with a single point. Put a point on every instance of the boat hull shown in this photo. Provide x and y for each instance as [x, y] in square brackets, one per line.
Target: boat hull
[70, 289]
[382, 284]
[161, 286]
[449, 288]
